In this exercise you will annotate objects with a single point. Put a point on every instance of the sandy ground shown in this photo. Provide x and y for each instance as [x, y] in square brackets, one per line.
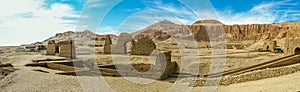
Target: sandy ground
[28, 80]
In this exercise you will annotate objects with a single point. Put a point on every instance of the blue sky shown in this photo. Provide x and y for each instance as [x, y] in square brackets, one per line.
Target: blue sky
[36, 20]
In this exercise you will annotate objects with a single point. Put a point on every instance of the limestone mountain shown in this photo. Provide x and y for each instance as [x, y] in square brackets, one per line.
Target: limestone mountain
[234, 33]
[83, 36]
[161, 30]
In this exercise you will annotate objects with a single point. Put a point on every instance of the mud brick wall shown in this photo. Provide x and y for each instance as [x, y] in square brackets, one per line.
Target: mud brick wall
[250, 76]
[66, 49]
[51, 48]
[291, 45]
[143, 46]
[270, 45]
[152, 71]
[60, 67]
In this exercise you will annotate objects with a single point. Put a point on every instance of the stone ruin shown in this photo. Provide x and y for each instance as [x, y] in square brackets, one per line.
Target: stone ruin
[292, 46]
[107, 45]
[120, 47]
[143, 46]
[63, 49]
[160, 69]
[269, 46]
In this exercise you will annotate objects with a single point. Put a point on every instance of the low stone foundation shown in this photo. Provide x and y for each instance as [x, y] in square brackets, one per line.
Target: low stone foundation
[250, 76]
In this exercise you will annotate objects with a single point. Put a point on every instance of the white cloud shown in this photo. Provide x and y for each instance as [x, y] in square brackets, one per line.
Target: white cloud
[95, 4]
[157, 12]
[107, 30]
[269, 12]
[27, 21]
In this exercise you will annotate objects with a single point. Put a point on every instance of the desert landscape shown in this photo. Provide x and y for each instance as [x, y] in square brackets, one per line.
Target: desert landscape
[149, 46]
[253, 58]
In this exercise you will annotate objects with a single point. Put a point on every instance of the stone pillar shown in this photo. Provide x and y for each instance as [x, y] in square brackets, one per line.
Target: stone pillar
[120, 47]
[51, 48]
[107, 45]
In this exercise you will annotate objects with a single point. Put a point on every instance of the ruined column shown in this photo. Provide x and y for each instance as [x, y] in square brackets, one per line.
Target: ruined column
[107, 45]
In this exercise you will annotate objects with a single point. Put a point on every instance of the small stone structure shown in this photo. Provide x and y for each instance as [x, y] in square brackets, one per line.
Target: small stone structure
[107, 45]
[120, 47]
[269, 46]
[63, 49]
[160, 68]
[292, 46]
[143, 46]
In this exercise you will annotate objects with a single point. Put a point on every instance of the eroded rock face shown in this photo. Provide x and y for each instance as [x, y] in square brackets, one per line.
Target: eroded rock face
[143, 46]
[234, 33]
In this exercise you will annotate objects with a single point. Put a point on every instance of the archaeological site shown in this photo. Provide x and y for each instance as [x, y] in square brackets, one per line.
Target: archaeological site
[150, 46]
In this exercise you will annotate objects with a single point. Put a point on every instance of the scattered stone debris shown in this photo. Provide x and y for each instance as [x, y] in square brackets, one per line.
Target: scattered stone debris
[6, 69]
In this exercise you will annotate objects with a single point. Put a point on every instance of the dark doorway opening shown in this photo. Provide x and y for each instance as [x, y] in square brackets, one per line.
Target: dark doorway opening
[268, 47]
[57, 49]
[297, 51]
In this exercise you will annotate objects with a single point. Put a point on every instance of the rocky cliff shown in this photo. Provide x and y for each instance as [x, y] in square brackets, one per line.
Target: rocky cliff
[234, 33]
[83, 36]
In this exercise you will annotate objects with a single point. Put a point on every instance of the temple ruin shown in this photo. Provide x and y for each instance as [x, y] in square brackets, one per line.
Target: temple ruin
[63, 49]
[270, 45]
[292, 46]
[143, 46]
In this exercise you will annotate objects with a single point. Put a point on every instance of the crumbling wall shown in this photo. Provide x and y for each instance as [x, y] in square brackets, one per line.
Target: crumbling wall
[51, 48]
[291, 45]
[67, 49]
[160, 69]
[143, 46]
[63, 49]
[270, 45]
[250, 76]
